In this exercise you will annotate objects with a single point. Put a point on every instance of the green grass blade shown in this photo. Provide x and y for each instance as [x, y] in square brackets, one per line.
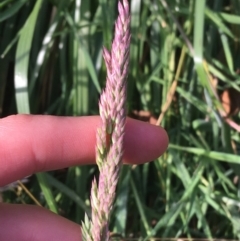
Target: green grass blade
[122, 197]
[218, 21]
[144, 220]
[10, 11]
[67, 191]
[22, 60]
[220, 156]
[48, 195]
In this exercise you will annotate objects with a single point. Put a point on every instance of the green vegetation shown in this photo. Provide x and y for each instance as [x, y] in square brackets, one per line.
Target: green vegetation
[183, 68]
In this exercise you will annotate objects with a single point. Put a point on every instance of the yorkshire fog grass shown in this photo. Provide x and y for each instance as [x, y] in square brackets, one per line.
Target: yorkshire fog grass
[109, 146]
[184, 63]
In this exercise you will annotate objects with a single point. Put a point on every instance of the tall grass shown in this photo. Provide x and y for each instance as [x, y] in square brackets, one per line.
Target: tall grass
[183, 68]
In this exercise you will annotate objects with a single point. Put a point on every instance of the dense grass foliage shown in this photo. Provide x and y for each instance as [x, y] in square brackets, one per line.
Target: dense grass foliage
[184, 74]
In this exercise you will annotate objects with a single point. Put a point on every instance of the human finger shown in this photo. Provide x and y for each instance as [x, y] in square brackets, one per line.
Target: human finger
[34, 143]
[28, 222]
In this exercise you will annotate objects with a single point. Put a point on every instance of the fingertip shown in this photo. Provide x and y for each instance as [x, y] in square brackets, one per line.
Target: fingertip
[143, 142]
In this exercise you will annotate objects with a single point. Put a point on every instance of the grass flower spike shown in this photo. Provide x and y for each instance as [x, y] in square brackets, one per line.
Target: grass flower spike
[109, 149]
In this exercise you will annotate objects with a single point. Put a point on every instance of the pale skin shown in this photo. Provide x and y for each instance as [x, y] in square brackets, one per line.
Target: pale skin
[31, 144]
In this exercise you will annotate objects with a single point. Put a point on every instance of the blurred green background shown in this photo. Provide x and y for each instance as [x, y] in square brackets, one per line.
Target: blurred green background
[184, 75]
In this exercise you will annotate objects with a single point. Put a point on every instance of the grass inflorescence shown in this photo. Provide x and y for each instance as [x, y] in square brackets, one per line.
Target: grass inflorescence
[184, 75]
